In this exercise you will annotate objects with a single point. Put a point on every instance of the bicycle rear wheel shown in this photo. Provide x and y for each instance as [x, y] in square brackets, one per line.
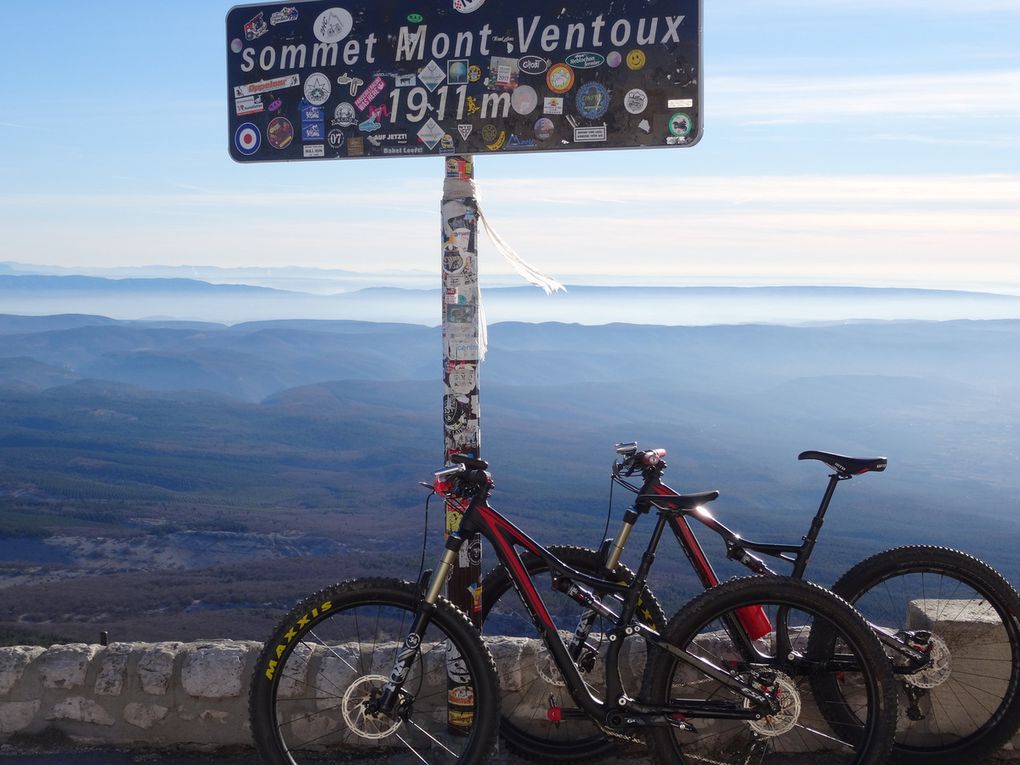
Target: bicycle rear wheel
[797, 731]
[966, 702]
[331, 656]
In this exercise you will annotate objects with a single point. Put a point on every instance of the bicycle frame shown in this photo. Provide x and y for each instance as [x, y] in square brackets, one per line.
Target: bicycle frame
[617, 708]
[655, 493]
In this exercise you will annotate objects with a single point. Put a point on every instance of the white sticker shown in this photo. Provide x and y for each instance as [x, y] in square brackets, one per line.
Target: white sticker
[315, 150]
[333, 25]
[680, 103]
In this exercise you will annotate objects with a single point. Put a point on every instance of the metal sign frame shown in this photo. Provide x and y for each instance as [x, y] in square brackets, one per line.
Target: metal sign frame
[334, 79]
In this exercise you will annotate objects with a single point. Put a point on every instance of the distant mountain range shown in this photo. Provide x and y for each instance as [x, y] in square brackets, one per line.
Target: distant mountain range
[193, 440]
[198, 300]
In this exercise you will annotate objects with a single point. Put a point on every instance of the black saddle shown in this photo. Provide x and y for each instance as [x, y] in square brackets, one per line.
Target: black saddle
[847, 466]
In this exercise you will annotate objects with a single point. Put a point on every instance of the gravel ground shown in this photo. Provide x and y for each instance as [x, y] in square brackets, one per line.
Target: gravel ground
[11, 755]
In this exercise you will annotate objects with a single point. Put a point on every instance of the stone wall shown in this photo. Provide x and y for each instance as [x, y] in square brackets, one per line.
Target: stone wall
[193, 694]
[125, 693]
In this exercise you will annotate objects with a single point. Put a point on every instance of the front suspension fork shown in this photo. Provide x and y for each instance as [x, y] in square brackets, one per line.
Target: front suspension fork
[408, 653]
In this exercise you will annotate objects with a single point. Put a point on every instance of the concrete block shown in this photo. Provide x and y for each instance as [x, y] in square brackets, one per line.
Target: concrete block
[16, 716]
[13, 661]
[65, 666]
[213, 670]
[156, 666]
[80, 709]
[144, 716]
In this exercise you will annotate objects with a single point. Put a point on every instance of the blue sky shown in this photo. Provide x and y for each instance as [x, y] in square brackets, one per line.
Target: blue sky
[869, 142]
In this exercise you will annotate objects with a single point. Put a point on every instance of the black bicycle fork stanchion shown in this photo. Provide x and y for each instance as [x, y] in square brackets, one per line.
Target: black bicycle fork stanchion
[462, 353]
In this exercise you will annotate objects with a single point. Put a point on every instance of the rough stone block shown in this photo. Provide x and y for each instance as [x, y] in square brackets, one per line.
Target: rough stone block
[112, 671]
[214, 670]
[64, 666]
[80, 709]
[13, 662]
[15, 716]
[156, 667]
[144, 716]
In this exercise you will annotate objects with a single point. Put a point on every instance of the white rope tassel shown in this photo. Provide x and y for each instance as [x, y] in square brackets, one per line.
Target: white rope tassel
[483, 330]
[548, 283]
[461, 189]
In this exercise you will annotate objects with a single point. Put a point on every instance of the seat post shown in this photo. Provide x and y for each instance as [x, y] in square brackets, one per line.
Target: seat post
[816, 526]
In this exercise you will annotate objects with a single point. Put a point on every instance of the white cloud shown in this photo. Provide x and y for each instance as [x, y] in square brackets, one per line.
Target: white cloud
[941, 230]
[962, 97]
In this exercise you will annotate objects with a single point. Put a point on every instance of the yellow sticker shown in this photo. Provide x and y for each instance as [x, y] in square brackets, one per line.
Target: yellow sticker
[636, 59]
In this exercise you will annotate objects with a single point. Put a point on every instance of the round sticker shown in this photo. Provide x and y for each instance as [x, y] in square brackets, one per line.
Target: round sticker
[336, 139]
[592, 100]
[636, 59]
[614, 59]
[236, 45]
[560, 78]
[281, 132]
[247, 139]
[544, 129]
[317, 89]
[467, 6]
[490, 133]
[333, 25]
[344, 115]
[680, 124]
[636, 101]
[524, 100]
[474, 73]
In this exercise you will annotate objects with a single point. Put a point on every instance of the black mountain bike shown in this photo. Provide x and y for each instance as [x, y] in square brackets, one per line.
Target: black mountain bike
[947, 621]
[388, 671]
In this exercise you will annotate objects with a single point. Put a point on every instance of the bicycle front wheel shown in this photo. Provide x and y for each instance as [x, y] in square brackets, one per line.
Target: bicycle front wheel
[965, 702]
[315, 681]
[779, 665]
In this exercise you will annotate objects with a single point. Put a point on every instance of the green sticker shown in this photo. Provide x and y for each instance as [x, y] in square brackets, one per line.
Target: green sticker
[415, 18]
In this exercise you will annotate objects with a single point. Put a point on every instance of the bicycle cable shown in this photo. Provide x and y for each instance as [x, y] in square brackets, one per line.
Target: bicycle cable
[425, 534]
[609, 511]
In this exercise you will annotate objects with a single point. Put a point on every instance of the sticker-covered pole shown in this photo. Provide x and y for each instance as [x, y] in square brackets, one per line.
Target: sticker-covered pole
[461, 431]
[461, 356]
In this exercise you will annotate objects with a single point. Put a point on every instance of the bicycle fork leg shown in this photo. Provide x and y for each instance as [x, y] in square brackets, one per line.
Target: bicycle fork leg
[408, 653]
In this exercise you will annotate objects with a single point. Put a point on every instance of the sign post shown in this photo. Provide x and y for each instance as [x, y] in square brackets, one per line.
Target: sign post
[359, 79]
[461, 358]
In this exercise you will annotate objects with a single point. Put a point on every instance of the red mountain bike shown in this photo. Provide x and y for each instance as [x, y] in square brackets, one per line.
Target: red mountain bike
[947, 621]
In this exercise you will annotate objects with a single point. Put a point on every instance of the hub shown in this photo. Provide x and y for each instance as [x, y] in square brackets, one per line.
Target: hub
[354, 707]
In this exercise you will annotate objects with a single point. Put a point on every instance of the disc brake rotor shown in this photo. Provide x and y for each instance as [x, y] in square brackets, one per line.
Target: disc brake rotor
[937, 670]
[355, 699]
[786, 693]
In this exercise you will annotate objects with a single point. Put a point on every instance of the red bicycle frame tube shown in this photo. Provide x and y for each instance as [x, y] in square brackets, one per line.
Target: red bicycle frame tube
[503, 535]
[753, 619]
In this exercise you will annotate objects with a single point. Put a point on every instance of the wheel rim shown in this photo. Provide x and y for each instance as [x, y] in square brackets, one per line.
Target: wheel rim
[973, 673]
[801, 724]
[341, 661]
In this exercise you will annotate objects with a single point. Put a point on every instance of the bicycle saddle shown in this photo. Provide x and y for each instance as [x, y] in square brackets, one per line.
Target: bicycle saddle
[847, 465]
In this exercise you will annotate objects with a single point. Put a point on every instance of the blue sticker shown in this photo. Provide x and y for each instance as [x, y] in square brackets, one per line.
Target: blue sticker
[310, 112]
[313, 131]
[592, 100]
[370, 125]
[247, 139]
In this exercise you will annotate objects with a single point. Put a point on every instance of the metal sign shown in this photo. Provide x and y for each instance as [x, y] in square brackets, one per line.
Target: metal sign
[339, 79]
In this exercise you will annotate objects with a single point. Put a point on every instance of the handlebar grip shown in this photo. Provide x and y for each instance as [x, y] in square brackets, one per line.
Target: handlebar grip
[446, 472]
[653, 456]
[470, 462]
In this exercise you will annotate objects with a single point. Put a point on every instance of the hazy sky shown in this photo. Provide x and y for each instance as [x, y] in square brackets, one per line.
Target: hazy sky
[846, 141]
